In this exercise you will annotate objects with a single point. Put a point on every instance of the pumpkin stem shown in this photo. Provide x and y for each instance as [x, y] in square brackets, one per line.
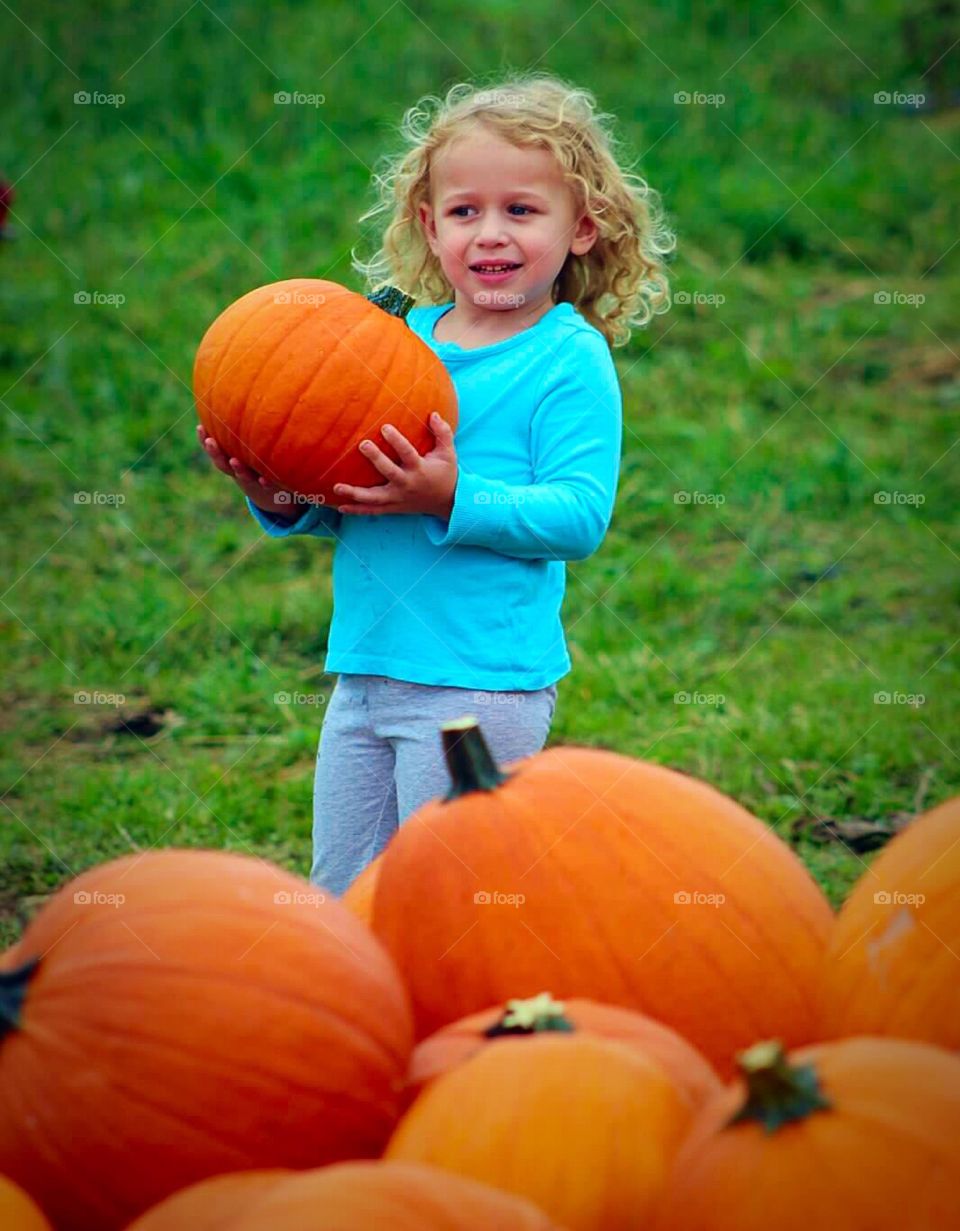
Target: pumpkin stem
[469, 760]
[392, 300]
[13, 991]
[777, 1092]
[530, 1016]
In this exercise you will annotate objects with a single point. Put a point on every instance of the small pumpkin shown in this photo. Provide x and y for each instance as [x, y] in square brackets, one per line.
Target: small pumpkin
[583, 1127]
[18, 1212]
[293, 375]
[358, 896]
[891, 966]
[861, 1134]
[175, 1014]
[457, 1042]
[602, 877]
[354, 1196]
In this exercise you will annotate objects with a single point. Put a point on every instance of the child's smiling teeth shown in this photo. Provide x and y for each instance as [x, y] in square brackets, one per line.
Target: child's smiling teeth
[495, 269]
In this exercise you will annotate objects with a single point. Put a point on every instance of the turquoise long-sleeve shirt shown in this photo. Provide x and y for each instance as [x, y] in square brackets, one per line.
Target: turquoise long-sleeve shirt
[475, 601]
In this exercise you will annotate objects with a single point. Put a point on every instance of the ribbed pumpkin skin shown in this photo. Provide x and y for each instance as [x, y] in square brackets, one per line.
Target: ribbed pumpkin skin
[584, 1127]
[356, 1196]
[17, 1210]
[358, 896]
[456, 1043]
[292, 387]
[885, 1158]
[198, 1027]
[891, 968]
[599, 845]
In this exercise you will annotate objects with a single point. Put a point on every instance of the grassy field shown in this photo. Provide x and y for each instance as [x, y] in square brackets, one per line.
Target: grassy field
[784, 548]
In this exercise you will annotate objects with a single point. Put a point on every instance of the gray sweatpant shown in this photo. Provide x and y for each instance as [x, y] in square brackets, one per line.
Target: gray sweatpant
[380, 758]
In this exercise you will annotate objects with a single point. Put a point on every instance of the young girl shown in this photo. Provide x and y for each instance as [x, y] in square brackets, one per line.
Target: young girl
[531, 253]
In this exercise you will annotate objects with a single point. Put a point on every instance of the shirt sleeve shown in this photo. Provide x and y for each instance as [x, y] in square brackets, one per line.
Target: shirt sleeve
[576, 435]
[316, 519]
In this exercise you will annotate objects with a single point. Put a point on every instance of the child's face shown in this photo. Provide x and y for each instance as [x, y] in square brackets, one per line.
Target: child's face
[493, 202]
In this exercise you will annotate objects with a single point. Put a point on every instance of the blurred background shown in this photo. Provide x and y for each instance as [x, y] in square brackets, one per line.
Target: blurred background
[775, 606]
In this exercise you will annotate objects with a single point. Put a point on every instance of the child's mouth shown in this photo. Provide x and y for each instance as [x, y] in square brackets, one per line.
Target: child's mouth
[495, 271]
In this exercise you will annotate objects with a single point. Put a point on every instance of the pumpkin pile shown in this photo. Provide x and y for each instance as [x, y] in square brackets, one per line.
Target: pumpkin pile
[293, 375]
[579, 991]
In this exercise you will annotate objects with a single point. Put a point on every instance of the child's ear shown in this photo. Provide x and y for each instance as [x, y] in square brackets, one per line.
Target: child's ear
[428, 223]
[585, 235]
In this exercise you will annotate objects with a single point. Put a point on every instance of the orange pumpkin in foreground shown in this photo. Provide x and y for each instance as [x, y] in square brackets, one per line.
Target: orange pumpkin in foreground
[858, 1135]
[358, 897]
[293, 375]
[540, 1015]
[891, 968]
[181, 1013]
[359, 1196]
[17, 1210]
[584, 1127]
[606, 878]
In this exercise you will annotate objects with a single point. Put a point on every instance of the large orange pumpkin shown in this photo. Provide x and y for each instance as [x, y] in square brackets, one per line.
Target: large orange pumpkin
[17, 1211]
[584, 1127]
[530, 1018]
[358, 896]
[858, 1135]
[358, 1196]
[892, 965]
[602, 877]
[176, 1014]
[293, 375]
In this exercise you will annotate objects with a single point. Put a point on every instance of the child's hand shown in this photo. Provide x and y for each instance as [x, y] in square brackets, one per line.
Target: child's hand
[417, 485]
[265, 495]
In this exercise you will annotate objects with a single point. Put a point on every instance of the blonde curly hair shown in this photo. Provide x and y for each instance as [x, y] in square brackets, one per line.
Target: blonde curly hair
[620, 284]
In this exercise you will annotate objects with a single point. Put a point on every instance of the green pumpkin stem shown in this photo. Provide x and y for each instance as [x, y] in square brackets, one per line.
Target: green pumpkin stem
[392, 300]
[469, 760]
[777, 1092]
[13, 992]
[539, 1013]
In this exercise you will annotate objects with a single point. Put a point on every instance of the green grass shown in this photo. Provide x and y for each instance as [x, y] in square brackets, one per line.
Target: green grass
[795, 400]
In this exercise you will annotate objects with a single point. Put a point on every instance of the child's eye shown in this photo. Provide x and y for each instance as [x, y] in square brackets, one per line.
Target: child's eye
[457, 208]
